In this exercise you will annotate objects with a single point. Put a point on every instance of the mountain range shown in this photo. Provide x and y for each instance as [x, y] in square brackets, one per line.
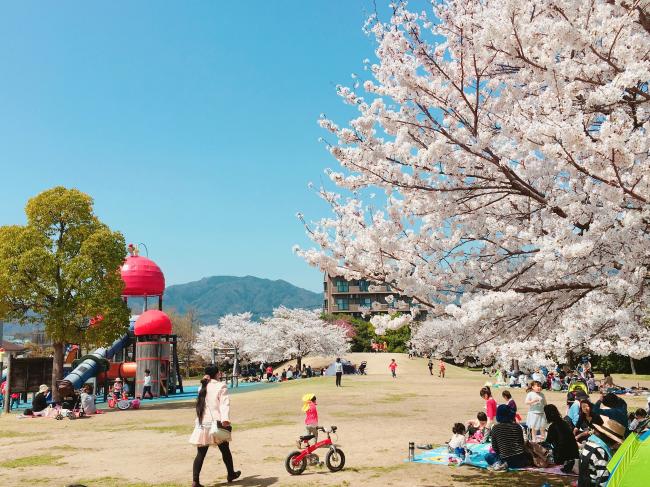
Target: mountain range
[216, 296]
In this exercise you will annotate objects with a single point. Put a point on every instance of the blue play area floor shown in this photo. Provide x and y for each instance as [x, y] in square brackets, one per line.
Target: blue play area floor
[189, 392]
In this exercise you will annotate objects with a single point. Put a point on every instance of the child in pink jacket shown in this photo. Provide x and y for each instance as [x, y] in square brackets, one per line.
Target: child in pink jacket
[311, 415]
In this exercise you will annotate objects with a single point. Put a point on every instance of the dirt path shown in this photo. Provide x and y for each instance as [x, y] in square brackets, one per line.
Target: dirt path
[376, 415]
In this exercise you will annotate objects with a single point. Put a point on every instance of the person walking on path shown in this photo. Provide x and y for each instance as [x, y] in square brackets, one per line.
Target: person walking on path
[393, 366]
[338, 369]
[213, 404]
[430, 365]
[441, 368]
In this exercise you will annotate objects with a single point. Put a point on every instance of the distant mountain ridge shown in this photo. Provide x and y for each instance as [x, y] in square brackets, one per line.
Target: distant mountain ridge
[217, 296]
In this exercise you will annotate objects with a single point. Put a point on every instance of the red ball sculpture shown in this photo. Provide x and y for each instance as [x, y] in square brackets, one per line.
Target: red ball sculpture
[142, 277]
[153, 322]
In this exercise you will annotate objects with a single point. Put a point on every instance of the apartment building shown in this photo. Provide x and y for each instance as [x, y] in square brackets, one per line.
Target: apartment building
[355, 296]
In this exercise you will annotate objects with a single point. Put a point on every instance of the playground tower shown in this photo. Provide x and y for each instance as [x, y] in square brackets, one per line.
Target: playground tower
[153, 329]
[152, 351]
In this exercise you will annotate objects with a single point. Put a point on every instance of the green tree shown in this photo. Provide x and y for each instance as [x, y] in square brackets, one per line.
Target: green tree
[61, 269]
[397, 340]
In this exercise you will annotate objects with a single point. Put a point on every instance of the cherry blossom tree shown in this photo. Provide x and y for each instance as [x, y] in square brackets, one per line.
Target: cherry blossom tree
[384, 322]
[287, 334]
[510, 139]
[303, 332]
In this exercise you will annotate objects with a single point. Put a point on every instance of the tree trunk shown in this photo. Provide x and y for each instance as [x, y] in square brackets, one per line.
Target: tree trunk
[57, 368]
[571, 358]
[299, 364]
[632, 366]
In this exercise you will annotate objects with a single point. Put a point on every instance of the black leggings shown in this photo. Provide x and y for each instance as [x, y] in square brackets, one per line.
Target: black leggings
[200, 456]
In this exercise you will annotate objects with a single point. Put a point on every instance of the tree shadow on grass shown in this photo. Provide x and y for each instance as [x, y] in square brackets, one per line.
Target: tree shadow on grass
[492, 479]
[251, 481]
[168, 406]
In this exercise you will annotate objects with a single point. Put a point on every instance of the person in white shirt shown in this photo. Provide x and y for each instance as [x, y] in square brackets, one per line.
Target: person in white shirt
[457, 442]
[146, 385]
[338, 369]
[88, 400]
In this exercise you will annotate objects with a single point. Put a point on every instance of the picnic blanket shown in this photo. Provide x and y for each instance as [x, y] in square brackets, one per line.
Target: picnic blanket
[441, 456]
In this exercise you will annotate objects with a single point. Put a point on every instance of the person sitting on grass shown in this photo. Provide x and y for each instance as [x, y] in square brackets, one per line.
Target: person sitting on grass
[507, 443]
[88, 399]
[560, 439]
[39, 403]
[597, 452]
[613, 407]
[640, 415]
[478, 430]
[585, 424]
[607, 383]
[457, 442]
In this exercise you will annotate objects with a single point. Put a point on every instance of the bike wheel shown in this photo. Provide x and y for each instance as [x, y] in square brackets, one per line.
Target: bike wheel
[293, 468]
[123, 404]
[335, 460]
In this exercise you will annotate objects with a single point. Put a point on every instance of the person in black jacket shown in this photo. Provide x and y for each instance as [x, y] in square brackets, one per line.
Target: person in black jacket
[560, 438]
[39, 403]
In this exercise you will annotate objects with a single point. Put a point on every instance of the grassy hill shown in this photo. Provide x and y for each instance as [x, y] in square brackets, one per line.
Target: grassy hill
[214, 297]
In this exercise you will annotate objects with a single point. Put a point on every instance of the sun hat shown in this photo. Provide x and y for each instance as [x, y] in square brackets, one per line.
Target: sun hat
[306, 398]
[119, 379]
[505, 414]
[611, 428]
[43, 388]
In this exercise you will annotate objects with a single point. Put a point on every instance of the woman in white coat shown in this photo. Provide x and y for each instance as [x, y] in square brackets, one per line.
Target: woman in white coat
[213, 404]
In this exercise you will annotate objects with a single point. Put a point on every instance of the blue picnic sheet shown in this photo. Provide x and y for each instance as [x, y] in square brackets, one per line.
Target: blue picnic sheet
[478, 452]
[441, 456]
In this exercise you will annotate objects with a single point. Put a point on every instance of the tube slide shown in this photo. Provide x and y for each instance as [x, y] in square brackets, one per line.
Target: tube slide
[90, 364]
[125, 370]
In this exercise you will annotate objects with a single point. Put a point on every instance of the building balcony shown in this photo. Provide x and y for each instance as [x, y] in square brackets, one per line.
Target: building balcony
[356, 290]
[357, 308]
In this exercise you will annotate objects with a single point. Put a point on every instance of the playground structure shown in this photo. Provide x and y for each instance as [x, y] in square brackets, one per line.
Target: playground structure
[148, 345]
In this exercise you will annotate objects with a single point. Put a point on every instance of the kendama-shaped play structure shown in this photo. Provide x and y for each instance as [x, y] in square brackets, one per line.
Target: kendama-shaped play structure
[149, 344]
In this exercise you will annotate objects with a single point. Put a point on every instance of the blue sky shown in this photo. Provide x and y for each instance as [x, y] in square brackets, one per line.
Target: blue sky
[192, 124]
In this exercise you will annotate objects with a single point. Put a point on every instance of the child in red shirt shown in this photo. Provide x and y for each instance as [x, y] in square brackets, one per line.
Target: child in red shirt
[392, 366]
[490, 404]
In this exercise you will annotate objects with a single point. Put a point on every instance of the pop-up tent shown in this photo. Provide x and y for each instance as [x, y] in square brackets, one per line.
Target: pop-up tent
[348, 368]
[630, 465]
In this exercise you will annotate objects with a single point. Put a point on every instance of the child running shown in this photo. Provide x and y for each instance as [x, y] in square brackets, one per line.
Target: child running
[311, 415]
[441, 368]
[393, 366]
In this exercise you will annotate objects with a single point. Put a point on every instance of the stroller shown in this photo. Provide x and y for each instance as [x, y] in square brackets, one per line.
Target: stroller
[71, 406]
[362, 368]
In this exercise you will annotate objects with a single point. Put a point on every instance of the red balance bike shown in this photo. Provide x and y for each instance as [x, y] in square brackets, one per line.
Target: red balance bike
[296, 461]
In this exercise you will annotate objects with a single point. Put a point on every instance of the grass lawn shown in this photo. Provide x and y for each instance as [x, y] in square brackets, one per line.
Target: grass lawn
[376, 416]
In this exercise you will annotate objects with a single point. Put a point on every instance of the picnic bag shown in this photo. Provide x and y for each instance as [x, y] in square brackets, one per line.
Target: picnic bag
[539, 454]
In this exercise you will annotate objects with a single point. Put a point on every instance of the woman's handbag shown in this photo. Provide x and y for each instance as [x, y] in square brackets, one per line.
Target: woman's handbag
[218, 432]
[539, 454]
